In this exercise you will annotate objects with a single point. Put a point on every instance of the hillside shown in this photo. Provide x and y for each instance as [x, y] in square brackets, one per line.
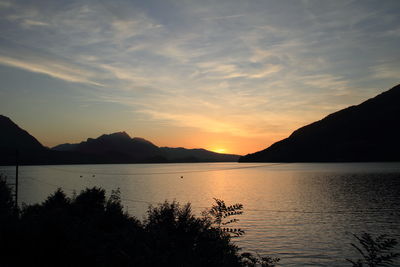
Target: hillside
[108, 148]
[13, 137]
[369, 131]
[120, 147]
[113, 148]
[180, 154]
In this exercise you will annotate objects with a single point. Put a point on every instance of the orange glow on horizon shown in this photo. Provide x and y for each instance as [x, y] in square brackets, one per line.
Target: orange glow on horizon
[219, 150]
[216, 142]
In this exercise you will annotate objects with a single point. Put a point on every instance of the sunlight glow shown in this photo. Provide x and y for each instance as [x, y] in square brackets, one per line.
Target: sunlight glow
[219, 150]
[231, 76]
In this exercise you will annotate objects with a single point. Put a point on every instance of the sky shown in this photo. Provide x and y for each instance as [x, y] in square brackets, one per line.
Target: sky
[229, 76]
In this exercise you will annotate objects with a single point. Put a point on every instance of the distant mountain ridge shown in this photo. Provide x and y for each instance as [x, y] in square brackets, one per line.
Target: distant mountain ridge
[180, 154]
[115, 147]
[13, 137]
[369, 131]
[120, 146]
[14, 140]
[108, 148]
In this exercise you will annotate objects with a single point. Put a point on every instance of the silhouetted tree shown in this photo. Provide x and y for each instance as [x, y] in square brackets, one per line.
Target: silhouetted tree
[181, 239]
[8, 223]
[87, 230]
[92, 230]
[222, 216]
[249, 260]
[374, 251]
[7, 206]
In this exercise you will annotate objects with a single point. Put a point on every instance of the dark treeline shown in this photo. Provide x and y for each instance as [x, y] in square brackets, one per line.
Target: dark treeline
[92, 230]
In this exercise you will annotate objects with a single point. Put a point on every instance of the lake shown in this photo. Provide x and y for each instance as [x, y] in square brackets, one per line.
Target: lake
[303, 213]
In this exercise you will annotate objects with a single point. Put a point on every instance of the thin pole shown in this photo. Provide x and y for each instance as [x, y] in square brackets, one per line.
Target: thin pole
[16, 178]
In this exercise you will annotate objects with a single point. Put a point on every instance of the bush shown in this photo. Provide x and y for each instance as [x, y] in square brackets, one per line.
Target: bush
[374, 251]
[91, 230]
[84, 231]
[181, 239]
[8, 222]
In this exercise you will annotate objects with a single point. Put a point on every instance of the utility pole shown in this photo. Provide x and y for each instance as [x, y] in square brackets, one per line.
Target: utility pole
[16, 177]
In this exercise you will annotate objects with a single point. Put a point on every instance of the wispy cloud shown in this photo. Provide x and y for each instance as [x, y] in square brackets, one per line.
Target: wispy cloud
[326, 81]
[30, 23]
[386, 71]
[5, 4]
[248, 68]
[224, 17]
[53, 69]
[392, 33]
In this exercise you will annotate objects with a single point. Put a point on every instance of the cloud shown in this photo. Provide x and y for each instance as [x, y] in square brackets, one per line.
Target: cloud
[267, 70]
[392, 33]
[53, 69]
[199, 121]
[206, 122]
[385, 71]
[326, 81]
[217, 70]
[5, 4]
[29, 23]
[265, 67]
[224, 17]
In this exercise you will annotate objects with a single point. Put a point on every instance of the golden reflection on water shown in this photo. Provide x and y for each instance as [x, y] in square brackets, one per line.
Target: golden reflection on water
[302, 213]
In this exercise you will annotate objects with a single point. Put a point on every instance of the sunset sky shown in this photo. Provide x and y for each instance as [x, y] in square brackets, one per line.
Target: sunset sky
[229, 76]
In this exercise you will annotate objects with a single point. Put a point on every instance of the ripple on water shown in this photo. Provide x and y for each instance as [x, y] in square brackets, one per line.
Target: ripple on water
[302, 213]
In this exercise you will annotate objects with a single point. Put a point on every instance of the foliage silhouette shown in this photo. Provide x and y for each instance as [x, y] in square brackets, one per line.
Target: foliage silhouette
[182, 239]
[248, 259]
[374, 251]
[221, 215]
[90, 229]
[8, 222]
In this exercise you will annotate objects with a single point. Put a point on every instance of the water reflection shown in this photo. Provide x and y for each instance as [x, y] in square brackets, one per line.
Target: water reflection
[302, 213]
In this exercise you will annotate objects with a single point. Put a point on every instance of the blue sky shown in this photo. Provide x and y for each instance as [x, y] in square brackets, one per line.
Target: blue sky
[233, 75]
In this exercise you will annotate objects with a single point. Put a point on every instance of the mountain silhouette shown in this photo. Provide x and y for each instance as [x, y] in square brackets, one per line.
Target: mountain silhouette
[108, 148]
[12, 137]
[14, 140]
[115, 147]
[180, 154]
[369, 131]
[121, 148]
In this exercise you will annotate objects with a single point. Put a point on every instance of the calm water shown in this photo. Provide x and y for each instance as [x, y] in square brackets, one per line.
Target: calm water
[302, 213]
